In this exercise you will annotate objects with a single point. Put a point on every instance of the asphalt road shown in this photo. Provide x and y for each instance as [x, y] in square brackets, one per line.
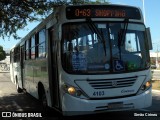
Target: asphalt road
[11, 101]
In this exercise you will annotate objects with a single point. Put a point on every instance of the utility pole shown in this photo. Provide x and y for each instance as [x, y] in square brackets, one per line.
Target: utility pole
[157, 63]
[144, 12]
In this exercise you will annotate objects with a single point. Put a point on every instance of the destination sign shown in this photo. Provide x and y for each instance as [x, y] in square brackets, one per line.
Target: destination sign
[102, 11]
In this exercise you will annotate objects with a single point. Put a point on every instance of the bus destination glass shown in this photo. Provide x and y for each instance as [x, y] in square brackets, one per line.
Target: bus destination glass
[103, 11]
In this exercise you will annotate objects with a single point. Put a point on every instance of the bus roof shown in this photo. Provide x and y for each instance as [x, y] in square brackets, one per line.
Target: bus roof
[70, 15]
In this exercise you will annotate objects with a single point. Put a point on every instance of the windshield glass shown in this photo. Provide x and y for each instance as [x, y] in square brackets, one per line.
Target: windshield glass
[101, 48]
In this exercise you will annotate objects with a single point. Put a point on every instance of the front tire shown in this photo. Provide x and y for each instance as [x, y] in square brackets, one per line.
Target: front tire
[43, 100]
[19, 90]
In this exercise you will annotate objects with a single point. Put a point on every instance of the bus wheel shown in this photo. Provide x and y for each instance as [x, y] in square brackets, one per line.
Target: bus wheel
[19, 90]
[44, 104]
[44, 101]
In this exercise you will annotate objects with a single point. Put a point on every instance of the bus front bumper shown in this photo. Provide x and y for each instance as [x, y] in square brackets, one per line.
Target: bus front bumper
[76, 106]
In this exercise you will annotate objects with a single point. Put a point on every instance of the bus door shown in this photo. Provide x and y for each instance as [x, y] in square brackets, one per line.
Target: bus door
[53, 69]
[22, 55]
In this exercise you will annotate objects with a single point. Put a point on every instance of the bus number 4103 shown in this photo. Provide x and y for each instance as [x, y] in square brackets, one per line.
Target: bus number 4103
[98, 93]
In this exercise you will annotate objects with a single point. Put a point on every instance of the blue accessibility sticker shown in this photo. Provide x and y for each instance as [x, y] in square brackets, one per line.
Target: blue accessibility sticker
[118, 65]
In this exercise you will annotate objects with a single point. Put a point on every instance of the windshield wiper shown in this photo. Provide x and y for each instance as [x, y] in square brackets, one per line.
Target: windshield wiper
[100, 35]
[121, 36]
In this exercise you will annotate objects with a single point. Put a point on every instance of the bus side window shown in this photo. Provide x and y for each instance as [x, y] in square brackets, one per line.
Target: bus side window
[33, 47]
[41, 44]
[27, 50]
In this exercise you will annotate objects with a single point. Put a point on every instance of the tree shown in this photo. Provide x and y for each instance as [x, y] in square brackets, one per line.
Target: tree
[14, 14]
[2, 53]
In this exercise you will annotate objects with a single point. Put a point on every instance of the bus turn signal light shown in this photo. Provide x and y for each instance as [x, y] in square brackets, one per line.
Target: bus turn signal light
[71, 90]
[148, 84]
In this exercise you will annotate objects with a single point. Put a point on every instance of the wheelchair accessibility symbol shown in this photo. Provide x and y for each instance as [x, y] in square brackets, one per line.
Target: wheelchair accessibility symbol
[118, 65]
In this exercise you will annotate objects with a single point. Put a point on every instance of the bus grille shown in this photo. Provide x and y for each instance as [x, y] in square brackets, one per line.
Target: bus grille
[112, 83]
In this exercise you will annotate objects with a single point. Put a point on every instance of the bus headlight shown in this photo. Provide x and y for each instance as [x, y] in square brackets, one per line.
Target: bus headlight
[71, 90]
[146, 85]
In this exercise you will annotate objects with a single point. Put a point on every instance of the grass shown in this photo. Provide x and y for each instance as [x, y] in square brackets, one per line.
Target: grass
[156, 84]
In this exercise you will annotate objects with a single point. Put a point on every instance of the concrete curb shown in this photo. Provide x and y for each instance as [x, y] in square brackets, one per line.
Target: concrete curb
[155, 79]
[158, 91]
[155, 70]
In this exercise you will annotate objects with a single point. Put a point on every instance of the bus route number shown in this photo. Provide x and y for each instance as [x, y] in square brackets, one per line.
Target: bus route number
[83, 12]
[98, 93]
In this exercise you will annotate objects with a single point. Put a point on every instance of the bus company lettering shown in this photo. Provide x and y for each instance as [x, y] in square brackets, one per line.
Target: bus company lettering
[110, 13]
[14, 114]
[127, 91]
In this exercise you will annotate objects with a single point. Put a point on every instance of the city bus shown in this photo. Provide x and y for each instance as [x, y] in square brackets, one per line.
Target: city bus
[86, 59]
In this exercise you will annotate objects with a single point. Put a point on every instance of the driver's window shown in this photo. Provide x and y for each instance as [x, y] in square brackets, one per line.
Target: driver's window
[132, 43]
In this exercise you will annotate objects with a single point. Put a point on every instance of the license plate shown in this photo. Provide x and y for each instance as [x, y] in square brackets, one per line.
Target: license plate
[115, 105]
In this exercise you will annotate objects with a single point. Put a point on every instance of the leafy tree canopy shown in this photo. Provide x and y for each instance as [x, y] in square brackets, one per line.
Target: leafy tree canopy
[14, 14]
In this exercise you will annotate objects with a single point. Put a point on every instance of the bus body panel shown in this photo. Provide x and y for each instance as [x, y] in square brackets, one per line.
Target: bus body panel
[35, 71]
[82, 106]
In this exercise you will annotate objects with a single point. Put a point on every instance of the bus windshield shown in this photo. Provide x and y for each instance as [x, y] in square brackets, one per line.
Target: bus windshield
[84, 50]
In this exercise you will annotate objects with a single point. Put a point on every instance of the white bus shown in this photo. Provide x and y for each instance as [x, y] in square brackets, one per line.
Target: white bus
[86, 59]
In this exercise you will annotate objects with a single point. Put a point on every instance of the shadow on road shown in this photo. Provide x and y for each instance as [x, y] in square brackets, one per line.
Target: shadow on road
[25, 103]
[18, 102]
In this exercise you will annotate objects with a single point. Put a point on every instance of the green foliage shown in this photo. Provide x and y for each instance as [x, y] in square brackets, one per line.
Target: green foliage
[89, 2]
[14, 14]
[2, 53]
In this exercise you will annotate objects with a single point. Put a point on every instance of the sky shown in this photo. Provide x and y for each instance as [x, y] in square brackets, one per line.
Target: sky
[152, 20]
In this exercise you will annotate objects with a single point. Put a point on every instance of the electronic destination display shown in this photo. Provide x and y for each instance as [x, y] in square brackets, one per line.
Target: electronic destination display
[102, 11]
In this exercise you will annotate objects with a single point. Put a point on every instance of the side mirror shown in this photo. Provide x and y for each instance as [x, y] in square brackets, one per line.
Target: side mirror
[148, 35]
